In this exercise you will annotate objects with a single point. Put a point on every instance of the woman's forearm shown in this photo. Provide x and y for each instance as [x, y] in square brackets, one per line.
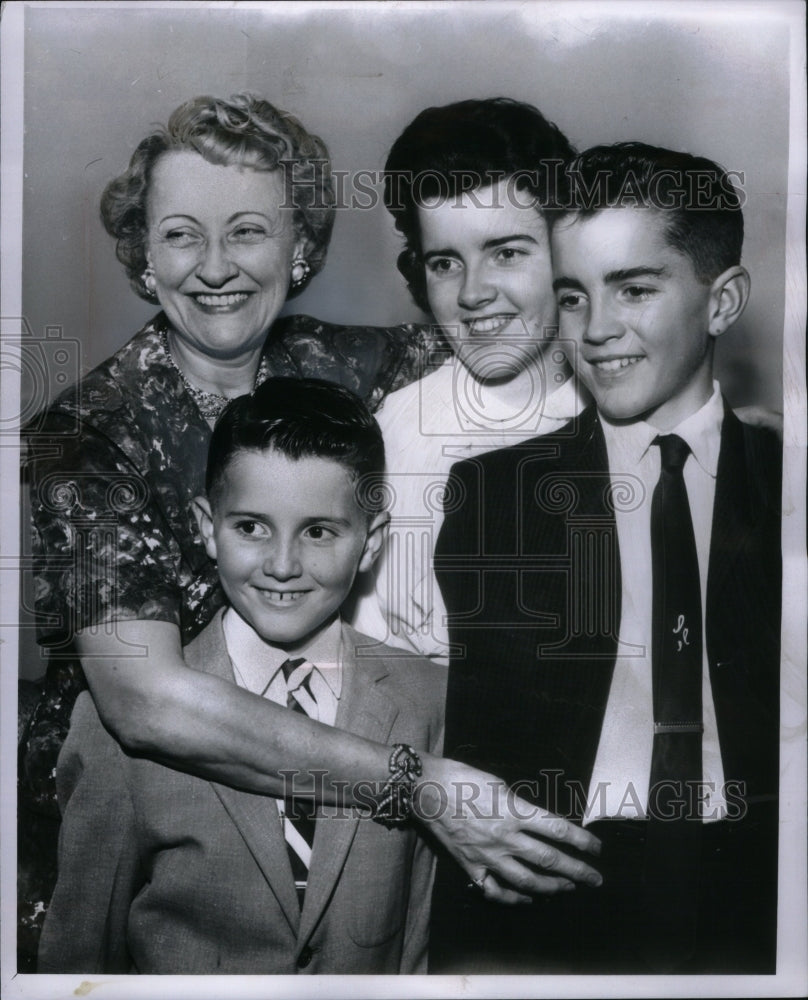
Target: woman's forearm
[158, 707]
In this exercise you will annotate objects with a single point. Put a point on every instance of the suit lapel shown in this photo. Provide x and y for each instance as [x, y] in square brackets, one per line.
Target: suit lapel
[577, 667]
[255, 816]
[365, 710]
[597, 651]
[733, 518]
[744, 586]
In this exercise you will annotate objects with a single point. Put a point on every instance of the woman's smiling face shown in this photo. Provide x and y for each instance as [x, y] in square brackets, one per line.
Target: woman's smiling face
[489, 279]
[221, 247]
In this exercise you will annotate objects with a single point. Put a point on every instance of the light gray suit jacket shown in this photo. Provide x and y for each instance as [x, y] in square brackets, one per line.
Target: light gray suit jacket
[163, 872]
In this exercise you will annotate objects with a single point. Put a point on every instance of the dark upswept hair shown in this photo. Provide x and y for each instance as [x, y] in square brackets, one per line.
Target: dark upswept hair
[242, 131]
[460, 147]
[302, 418]
[701, 206]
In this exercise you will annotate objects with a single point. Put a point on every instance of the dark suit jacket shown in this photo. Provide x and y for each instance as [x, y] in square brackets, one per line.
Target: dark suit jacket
[529, 567]
[162, 872]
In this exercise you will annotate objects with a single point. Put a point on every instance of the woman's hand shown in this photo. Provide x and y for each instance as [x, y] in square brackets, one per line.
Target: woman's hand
[503, 843]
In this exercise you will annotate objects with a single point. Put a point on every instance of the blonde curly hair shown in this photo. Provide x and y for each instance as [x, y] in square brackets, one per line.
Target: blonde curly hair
[245, 131]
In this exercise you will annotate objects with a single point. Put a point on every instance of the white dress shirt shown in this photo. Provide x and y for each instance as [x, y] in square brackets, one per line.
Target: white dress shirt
[428, 426]
[621, 775]
[257, 665]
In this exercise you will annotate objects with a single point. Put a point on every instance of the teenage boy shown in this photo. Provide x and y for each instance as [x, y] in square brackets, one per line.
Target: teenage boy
[616, 587]
[162, 872]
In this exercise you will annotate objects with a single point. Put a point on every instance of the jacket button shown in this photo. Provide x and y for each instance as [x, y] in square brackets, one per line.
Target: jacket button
[305, 957]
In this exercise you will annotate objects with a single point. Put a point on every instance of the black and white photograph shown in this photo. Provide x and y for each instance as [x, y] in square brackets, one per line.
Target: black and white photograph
[403, 516]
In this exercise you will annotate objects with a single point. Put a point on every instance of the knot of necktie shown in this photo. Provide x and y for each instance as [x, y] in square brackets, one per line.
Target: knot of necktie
[290, 669]
[297, 674]
[673, 451]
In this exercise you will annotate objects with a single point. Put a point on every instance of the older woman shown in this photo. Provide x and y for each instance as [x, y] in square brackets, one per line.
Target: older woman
[210, 223]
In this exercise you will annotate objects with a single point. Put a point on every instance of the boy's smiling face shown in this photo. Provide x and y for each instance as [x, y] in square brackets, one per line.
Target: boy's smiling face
[636, 318]
[289, 538]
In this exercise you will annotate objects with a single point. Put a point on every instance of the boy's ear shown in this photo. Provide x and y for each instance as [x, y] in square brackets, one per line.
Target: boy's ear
[204, 518]
[376, 537]
[729, 294]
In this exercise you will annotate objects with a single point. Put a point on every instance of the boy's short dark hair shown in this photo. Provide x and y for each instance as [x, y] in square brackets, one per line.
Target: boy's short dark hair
[461, 147]
[302, 418]
[703, 209]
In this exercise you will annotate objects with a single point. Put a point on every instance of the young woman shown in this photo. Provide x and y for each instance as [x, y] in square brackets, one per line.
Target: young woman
[468, 185]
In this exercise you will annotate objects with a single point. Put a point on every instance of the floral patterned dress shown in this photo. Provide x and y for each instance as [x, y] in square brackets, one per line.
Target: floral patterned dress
[113, 468]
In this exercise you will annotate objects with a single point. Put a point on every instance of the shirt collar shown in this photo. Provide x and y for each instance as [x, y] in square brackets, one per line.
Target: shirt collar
[563, 405]
[566, 402]
[325, 651]
[701, 430]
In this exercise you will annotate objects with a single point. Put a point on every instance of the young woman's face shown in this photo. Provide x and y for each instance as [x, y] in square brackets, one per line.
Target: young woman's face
[489, 279]
[221, 248]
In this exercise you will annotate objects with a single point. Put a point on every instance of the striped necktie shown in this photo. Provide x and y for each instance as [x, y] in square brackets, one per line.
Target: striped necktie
[299, 813]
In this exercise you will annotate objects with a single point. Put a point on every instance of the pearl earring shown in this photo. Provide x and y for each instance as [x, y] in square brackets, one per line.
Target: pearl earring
[301, 272]
[149, 280]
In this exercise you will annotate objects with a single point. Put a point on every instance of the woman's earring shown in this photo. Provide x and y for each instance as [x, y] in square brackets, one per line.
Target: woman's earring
[301, 272]
[149, 280]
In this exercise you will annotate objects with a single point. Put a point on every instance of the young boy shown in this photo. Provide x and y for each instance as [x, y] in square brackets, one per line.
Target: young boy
[162, 872]
[633, 563]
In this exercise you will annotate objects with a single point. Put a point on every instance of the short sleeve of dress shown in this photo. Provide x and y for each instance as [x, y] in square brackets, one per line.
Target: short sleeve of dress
[369, 360]
[113, 467]
[100, 545]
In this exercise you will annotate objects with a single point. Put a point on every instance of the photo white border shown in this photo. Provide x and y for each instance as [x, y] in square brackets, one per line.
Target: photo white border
[792, 979]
